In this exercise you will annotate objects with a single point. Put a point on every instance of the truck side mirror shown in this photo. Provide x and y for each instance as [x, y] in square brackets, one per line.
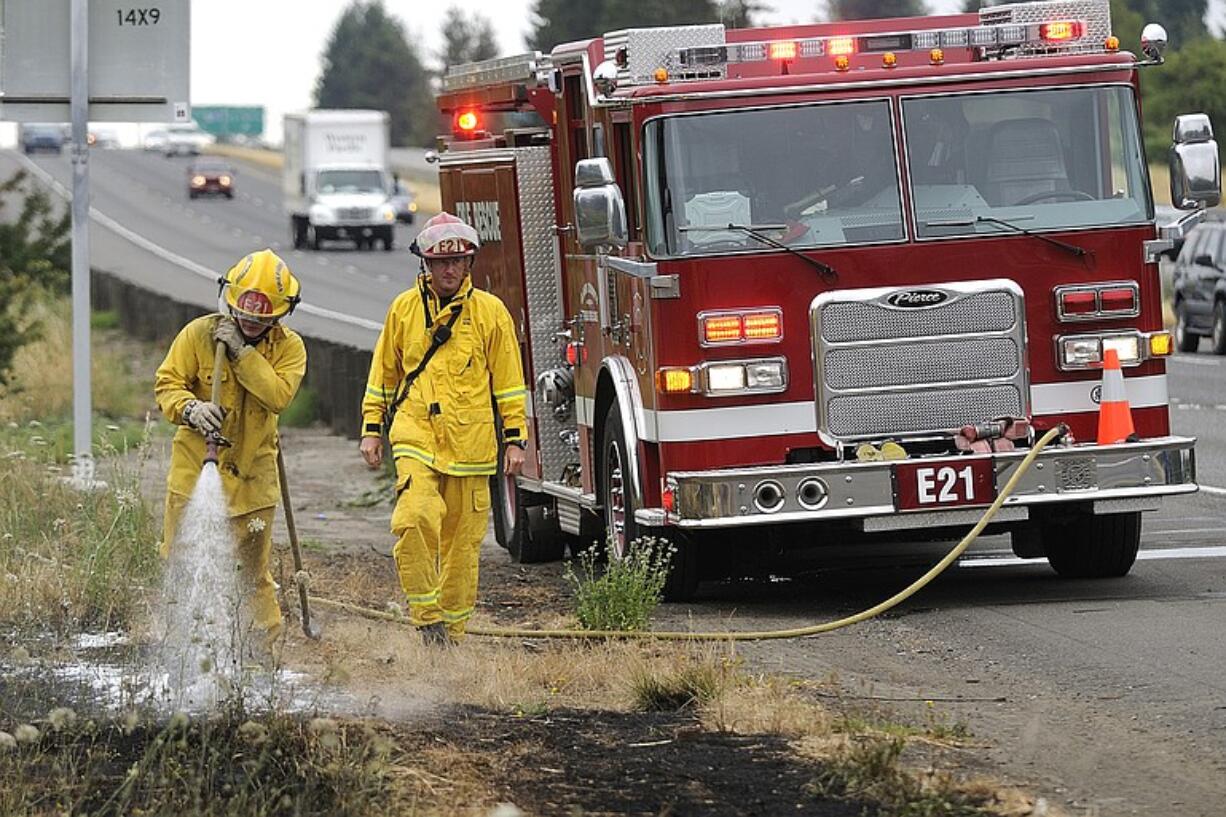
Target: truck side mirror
[600, 211]
[1196, 173]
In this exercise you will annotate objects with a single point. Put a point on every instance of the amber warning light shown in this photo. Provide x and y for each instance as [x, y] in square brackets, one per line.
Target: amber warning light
[782, 50]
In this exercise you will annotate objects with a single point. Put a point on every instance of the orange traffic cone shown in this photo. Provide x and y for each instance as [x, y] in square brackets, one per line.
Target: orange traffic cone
[1114, 416]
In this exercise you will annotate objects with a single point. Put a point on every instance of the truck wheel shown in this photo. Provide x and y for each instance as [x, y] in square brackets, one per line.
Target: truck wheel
[297, 233]
[1093, 547]
[1219, 328]
[524, 530]
[621, 529]
[1185, 339]
[389, 240]
[313, 237]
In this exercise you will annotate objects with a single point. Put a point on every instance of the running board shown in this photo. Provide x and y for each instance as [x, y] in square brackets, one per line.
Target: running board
[570, 503]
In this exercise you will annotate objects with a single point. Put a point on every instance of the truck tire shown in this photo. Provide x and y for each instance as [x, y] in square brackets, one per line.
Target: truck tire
[1185, 339]
[316, 243]
[527, 533]
[1218, 337]
[297, 233]
[389, 240]
[1093, 547]
[621, 528]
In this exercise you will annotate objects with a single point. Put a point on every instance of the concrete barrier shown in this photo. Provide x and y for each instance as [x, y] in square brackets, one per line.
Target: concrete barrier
[335, 372]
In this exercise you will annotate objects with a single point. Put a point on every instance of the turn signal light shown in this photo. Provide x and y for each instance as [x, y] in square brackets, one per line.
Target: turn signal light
[675, 380]
[1161, 344]
[1086, 302]
[763, 326]
[722, 329]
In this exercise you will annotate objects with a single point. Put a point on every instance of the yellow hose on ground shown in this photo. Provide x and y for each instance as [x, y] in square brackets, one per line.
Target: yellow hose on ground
[763, 635]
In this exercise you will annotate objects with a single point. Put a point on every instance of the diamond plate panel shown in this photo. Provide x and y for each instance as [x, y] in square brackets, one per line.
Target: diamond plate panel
[846, 321]
[1096, 14]
[921, 363]
[919, 412]
[534, 181]
[649, 48]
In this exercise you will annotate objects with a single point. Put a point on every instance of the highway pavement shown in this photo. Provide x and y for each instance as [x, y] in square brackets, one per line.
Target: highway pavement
[147, 230]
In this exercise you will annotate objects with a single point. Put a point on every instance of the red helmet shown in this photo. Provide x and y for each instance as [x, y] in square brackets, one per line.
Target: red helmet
[446, 236]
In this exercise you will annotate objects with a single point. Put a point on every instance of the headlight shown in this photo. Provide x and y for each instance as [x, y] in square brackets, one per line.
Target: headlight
[197, 181]
[1086, 351]
[321, 215]
[762, 376]
[225, 181]
[387, 212]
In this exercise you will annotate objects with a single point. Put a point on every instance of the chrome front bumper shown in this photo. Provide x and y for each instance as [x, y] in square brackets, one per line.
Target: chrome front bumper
[1113, 478]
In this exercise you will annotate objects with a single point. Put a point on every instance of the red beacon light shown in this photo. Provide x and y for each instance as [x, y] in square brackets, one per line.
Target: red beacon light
[467, 123]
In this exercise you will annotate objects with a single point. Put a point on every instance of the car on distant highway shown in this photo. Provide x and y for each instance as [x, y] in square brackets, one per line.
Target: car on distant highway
[155, 140]
[404, 202]
[186, 140]
[49, 138]
[103, 138]
[210, 177]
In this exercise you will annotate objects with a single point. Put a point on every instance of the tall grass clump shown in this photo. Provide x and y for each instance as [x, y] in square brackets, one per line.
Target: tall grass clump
[36, 403]
[622, 594]
[72, 559]
[226, 764]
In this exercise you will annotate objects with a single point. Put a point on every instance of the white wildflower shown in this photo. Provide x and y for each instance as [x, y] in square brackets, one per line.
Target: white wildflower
[34, 424]
[26, 733]
[7, 742]
[255, 524]
[252, 732]
[61, 718]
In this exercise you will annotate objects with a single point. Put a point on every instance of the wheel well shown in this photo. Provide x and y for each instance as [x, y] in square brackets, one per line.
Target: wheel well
[606, 395]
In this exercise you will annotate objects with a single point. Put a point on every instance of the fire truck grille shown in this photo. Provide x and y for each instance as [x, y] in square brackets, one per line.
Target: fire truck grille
[934, 362]
[911, 413]
[918, 361]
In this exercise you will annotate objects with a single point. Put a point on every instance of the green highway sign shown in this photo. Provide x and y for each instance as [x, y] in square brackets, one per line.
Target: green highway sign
[230, 120]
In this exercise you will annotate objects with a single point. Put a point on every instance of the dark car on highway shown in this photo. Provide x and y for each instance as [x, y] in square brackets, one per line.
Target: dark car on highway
[1200, 289]
[42, 137]
[210, 177]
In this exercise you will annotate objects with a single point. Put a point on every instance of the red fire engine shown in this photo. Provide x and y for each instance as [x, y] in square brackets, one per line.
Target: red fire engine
[828, 281]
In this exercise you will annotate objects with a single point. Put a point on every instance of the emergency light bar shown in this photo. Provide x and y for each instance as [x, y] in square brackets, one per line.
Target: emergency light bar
[993, 38]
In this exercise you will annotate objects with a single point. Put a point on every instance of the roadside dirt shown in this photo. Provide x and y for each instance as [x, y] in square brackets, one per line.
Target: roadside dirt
[1026, 731]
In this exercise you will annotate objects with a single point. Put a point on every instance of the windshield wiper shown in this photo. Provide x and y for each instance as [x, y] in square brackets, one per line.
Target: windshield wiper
[968, 222]
[828, 273]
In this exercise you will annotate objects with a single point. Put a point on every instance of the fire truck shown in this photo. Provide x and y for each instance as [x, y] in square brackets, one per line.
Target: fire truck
[820, 283]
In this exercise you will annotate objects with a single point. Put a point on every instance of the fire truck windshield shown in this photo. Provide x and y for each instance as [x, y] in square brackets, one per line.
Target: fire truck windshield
[825, 174]
[1040, 160]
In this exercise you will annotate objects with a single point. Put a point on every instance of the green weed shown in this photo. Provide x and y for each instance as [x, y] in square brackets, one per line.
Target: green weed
[303, 410]
[688, 686]
[624, 594]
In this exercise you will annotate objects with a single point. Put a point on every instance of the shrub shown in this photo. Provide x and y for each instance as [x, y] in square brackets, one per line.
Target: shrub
[623, 595]
[303, 410]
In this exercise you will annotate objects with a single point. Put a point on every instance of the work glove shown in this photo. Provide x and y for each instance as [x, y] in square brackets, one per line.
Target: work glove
[227, 332]
[204, 416]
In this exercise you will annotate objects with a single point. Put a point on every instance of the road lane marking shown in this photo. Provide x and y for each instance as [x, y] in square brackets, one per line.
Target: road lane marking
[173, 257]
[1142, 556]
[1210, 489]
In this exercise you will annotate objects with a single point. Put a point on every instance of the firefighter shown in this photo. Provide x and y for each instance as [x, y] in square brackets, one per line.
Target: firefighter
[265, 364]
[447, 356]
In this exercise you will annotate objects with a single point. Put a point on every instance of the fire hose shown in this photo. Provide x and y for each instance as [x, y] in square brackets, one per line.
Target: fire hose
[759, 635]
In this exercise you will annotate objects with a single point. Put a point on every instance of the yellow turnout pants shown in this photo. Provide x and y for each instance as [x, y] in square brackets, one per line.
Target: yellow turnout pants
[440, 520]
[253, 533]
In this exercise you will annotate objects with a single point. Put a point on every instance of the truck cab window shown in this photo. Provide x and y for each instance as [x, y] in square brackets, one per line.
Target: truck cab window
[809, 176]
[1049, 159]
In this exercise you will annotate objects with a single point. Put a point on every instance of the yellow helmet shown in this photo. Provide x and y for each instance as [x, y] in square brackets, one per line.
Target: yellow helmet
[260, 288]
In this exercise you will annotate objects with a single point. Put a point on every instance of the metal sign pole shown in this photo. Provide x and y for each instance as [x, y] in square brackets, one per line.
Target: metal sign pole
[82, 420]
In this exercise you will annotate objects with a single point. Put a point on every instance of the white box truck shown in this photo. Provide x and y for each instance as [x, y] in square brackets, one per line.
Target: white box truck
[336, 184]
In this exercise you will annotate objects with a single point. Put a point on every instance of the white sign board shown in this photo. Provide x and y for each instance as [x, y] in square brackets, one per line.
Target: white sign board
[138, 60]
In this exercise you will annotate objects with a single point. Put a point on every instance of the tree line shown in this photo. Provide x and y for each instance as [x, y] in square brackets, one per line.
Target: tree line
[371, 62]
